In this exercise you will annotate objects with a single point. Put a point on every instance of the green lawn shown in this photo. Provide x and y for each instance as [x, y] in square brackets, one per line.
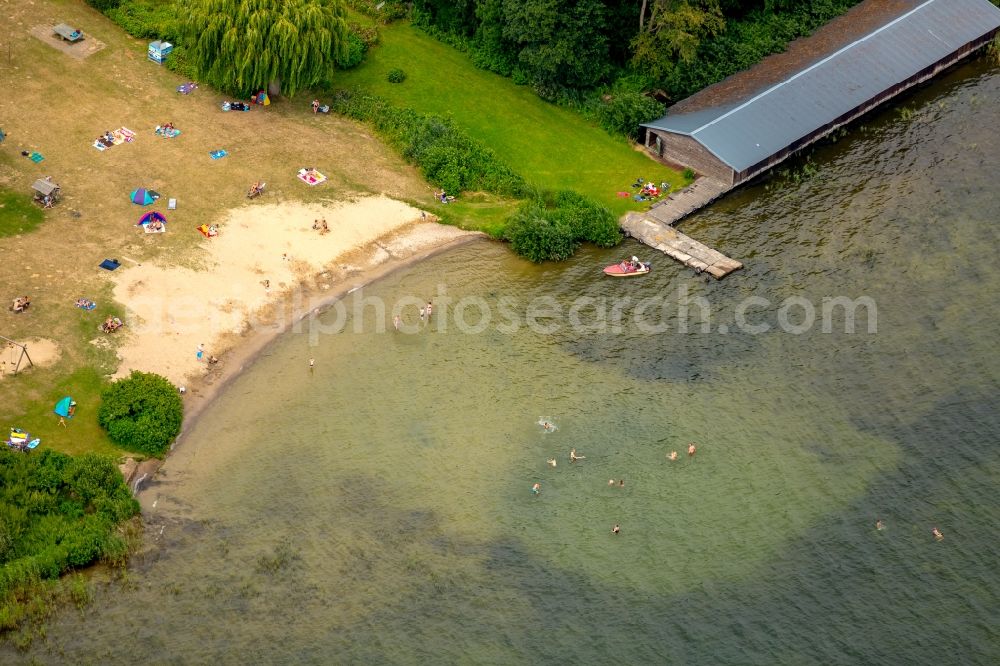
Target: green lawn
[18, 213]
[550, 146]
[82, 433]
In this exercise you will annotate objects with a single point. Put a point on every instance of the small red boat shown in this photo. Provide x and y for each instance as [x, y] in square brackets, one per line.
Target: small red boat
[627, 269]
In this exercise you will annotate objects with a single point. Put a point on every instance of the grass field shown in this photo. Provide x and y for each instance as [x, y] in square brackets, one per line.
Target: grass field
[552, 147]
[18, 213]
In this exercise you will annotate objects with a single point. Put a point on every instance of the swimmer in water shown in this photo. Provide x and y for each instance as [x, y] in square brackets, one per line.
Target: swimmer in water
[672, 455]
[551, 462]
[611, 482]
[547, 425]
[573, 457]
[879, 525]
[616, 529]
[535, 489]
[691, 449]
[621, 483]
[937, 534]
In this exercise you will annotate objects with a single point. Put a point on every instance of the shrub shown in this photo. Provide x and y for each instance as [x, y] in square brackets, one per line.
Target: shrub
[56, 513]
[551, 226]
[396, 76]
[623, 113]
[538, 235]
[103, 5]
[591, 222]
[688, 174]
[141, 412]
[355, 54]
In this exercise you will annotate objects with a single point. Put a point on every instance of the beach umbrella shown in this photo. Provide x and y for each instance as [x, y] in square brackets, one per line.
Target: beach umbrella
[151, 216]
[143, 197]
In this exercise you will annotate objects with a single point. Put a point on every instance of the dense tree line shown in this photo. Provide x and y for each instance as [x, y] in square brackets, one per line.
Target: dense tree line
[670, 47]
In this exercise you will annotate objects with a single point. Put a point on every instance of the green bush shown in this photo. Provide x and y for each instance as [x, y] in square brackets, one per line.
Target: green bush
[147, 19]
[103, 5]
[538, 235]
[622, 113]
[396, 76]
[56, 512]
[142, 412]
[355, 54]
[551, 226]
[688, 174]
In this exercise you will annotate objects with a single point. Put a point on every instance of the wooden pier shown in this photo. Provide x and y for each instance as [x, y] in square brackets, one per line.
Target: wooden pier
[673, 243]
[655, 228]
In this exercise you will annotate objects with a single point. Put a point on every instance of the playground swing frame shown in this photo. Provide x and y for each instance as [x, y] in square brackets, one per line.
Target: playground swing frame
[24, 354]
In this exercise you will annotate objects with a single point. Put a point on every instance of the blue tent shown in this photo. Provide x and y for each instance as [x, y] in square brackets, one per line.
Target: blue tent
[143, 197]
[64, 407]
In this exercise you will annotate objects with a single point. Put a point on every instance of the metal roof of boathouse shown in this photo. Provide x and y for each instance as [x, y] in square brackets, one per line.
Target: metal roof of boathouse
[746, 132]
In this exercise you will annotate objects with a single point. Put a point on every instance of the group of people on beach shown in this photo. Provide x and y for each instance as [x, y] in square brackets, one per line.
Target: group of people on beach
[321, 226]
[20, 304]
[111, 324]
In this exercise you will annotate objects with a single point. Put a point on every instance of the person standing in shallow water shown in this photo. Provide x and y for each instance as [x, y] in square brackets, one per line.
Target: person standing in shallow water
[536, 489]
[616, 529]
[691, 449]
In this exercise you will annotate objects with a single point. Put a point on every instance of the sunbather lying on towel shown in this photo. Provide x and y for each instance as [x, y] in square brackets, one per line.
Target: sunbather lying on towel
[85, 303]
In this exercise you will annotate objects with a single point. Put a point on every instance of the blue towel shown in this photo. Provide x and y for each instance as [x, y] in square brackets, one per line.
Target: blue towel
[218, 154]
[110, 264]
[36, 157]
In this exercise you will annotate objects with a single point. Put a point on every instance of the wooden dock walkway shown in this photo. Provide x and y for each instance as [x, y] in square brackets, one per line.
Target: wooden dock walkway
[655, 228]
[673, 243]
[699, 194]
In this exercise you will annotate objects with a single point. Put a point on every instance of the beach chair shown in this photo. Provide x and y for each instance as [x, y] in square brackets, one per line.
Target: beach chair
[172, 204]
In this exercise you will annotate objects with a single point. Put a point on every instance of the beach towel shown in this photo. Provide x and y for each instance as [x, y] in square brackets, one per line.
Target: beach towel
[311, 176]
[99, 145]
[172, 204]
[85, 304]
[167, 133]
[36, 157]
[110, 264]
[208, 231]
[123, 135]
[218, 154]
[150, 230]
[187, 88]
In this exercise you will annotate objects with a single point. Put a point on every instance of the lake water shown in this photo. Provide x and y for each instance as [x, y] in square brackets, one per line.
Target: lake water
[379, 508]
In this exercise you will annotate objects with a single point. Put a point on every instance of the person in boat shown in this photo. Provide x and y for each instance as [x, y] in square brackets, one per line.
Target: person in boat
[636, 264]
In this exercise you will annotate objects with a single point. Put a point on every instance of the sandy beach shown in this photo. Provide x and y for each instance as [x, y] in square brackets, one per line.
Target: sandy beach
[267, 268]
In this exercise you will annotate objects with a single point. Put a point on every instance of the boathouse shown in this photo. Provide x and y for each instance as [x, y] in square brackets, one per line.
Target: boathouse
[744, 125]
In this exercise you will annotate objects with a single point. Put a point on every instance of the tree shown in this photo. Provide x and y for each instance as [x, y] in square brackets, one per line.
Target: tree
[673, 32]
[559, 43]
[141, 412]
[242, 45]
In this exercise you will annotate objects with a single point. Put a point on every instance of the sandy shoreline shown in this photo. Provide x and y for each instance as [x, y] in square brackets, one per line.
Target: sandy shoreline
[266, 270]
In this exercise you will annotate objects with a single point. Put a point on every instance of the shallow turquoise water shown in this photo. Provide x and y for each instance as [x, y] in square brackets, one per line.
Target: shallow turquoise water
[378, 509]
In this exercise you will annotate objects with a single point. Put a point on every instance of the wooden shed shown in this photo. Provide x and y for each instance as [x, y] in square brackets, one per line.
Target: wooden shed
[46, 192]
[742, 126]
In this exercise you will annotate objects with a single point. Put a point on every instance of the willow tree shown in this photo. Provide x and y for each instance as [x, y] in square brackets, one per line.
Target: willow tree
[243, 45]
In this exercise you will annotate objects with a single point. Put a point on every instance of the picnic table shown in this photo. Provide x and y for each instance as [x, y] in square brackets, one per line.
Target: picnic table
[68, 33]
